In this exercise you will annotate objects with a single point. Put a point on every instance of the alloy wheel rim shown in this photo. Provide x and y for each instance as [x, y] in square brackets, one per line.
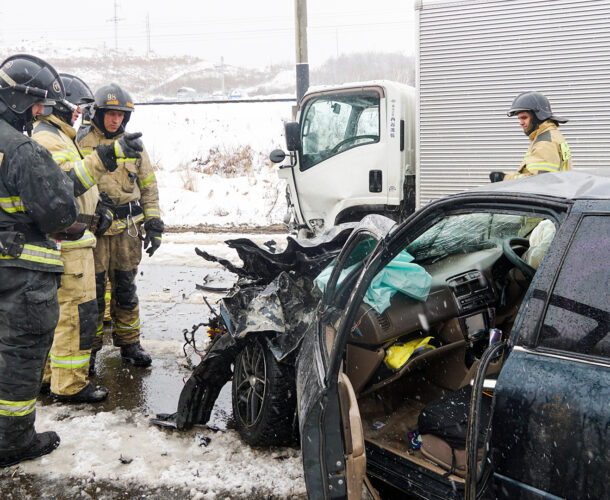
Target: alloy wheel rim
[250, 377]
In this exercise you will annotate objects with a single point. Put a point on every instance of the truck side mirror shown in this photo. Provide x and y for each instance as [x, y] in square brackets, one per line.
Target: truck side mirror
[292, 131]
[277, 156]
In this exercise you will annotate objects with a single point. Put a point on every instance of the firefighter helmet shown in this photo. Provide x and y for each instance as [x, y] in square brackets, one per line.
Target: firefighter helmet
[535, 103]
[78, 93]
[111, 97]
[26, 80]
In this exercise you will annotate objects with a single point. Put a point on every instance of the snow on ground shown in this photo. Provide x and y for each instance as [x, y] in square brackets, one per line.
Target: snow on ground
[179, 139]
[162, 458]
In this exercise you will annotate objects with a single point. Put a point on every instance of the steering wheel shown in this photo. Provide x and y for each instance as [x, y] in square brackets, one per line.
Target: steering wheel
[507, 247]
[338, 146]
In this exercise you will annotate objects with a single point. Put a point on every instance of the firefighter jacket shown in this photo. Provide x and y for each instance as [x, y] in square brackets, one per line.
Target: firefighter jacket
[548, 152]
[58, 137]
[133, 181]
[36, 198]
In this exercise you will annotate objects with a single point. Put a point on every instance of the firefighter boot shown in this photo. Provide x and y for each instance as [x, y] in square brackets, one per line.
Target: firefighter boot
[92, 363]
[43, 443]
[88, 394]
[134, 354]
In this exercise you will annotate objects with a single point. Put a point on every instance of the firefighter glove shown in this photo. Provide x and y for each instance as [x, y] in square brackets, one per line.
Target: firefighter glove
[127, 146]
[106, 215]
[496, 176]
[154, 229]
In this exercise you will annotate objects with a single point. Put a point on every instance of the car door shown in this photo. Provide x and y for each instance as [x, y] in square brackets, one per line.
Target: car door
[551, 424]
[332, 440]
[343, 158]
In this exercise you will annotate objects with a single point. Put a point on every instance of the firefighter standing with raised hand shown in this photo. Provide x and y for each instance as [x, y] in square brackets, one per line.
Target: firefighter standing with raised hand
[67, 371]
[548, 150]
[132, 190]
[36, 199]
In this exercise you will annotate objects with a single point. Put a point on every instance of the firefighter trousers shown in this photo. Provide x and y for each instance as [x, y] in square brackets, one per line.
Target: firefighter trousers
[117, 258]
[68, 366]
[28, 314]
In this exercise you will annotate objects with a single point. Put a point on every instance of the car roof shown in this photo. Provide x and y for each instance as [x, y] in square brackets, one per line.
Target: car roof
[570, 185]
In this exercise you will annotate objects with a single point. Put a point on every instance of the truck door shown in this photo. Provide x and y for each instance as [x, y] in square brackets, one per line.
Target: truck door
[343, 160]
[550, 426]
[332, 440]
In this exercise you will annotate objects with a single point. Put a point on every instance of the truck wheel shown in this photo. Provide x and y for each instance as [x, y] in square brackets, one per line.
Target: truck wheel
[264, 397]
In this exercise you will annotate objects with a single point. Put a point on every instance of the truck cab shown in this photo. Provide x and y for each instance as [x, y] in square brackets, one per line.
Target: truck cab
[352, 153]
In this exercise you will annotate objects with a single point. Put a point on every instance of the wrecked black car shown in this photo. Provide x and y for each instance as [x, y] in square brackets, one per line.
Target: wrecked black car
[464, 353]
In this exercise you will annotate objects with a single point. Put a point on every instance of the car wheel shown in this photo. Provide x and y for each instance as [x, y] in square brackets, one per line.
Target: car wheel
[264, 396]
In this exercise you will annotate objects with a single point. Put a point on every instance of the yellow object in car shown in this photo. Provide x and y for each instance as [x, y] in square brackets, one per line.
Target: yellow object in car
[399, 353]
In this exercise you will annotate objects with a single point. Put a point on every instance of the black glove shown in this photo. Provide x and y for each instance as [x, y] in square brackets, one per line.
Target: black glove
[496, 176]
[73, 233]
[127, 146]
[104, 210]
[154, 229]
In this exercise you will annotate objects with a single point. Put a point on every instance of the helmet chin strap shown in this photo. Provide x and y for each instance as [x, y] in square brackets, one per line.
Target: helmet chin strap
[28, 125]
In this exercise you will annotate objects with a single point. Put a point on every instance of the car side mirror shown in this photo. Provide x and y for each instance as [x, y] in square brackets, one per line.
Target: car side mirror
[292, 131]
[277, 156]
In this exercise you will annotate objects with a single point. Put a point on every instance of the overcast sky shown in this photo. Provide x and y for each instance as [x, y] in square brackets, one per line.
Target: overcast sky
[245, 32]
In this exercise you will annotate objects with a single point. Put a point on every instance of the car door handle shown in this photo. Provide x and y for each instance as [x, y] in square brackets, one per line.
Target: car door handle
[375, 181]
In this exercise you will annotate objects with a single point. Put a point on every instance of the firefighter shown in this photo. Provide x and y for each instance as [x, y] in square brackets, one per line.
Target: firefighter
[36, 199]
[67, 369]
[132, 190]
[548, 150]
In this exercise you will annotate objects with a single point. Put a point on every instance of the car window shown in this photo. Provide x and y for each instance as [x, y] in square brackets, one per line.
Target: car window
[459, 234]
[577, 317]
[331, 124]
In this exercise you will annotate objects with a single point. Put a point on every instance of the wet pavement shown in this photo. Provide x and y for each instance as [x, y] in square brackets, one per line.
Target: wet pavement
[169, 305]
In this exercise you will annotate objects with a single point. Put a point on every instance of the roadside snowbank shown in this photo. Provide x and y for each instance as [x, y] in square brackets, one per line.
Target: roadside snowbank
[179, 139]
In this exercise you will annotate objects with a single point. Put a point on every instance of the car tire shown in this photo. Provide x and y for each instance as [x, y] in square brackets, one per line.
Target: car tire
[263, 396]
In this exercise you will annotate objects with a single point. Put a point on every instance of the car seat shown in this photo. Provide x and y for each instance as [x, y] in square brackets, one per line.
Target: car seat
[443, 425]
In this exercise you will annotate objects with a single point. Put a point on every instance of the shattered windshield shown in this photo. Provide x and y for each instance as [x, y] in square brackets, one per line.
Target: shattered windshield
[334, 123]
[458, 234]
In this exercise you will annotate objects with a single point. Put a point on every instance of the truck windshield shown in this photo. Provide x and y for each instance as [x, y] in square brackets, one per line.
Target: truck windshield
[334, 123]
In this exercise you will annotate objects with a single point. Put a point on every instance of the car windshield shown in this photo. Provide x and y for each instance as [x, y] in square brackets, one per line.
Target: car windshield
[459, 234]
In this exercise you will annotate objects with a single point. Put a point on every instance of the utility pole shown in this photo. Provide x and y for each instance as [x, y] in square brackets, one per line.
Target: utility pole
[222, 71]
[148, 34]
[116, 20]
[302, 65]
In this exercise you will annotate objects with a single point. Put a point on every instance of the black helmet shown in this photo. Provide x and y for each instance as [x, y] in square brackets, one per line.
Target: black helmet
[26, 80]
[78, 93]
[536, 103]
[111, 97]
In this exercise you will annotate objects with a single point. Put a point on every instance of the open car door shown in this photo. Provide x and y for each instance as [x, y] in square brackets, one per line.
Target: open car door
[332, 439]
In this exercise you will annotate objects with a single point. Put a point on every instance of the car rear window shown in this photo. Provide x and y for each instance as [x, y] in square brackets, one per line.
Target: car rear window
[577, 317]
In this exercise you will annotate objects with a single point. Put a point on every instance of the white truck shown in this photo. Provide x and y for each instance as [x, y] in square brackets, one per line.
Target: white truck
[384, 147]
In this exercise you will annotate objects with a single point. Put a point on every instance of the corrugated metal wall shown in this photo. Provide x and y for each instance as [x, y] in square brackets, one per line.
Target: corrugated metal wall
[476, 56]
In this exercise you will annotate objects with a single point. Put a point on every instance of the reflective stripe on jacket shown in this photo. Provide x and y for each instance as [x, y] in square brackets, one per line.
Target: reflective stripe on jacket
[36, 198]
[58, 137]
[548, 152]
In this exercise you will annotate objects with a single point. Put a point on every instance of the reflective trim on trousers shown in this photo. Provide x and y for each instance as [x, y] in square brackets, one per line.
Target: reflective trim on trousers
[69, 361]
[16, 408]
[127, 328]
